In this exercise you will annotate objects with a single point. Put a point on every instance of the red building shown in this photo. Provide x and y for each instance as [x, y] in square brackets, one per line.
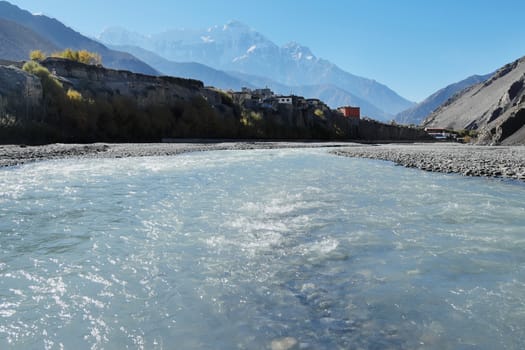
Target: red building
[352, 112]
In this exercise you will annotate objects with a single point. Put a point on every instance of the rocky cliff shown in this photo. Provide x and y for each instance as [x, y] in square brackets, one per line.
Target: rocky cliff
[67, 101]
[20, 94]
[74, 102]
[147, 90]
[495, 108]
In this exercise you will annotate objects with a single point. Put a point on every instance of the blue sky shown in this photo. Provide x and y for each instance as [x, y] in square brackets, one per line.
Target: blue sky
[413, 46]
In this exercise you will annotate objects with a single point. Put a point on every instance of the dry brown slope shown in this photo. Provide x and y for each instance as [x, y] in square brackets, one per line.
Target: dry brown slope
[496, 107]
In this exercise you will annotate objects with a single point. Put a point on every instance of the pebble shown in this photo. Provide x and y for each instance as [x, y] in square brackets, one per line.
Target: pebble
[286, 343]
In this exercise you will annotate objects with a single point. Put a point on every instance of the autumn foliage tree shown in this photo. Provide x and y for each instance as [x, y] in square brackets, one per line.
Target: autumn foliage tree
[82, 56]
[37, 55]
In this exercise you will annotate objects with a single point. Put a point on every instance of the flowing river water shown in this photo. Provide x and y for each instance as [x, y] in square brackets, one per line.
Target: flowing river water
[263, 249]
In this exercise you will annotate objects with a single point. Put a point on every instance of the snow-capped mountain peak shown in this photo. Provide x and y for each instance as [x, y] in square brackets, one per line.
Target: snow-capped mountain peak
[207, 39]
[236, 26]
[298, 52]
[235, 47]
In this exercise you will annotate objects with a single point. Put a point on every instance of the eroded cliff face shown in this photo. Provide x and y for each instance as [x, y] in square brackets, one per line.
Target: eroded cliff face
[146, 89]
[506, 124]
[20, 94]
[75, 102]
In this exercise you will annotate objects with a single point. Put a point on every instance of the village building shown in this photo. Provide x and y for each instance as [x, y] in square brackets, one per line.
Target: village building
[267, 103]
[314, 102]
[440, 133]
[350, 112]
[263, 93]
[257, 98]
[266, 99]
[288, 100]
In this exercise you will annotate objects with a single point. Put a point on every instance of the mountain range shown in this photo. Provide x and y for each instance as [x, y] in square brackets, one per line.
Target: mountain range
[21, 32]
[247, 55]
[330, 94]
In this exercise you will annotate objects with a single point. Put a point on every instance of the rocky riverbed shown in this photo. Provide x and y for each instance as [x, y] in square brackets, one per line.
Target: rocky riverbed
[468, 160]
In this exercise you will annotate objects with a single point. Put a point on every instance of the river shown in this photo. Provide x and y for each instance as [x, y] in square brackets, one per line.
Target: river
[262, 249]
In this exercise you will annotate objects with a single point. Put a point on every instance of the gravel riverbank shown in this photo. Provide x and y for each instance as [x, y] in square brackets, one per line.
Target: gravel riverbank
[11, 155]
[497, 161]
[468, 160]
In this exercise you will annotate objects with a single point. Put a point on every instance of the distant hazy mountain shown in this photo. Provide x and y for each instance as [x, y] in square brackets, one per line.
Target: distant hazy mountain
[330, 94]
[496, 107]
[417, 113]
[236, 47]
[57, 35]
[16, 41]
[208, 75]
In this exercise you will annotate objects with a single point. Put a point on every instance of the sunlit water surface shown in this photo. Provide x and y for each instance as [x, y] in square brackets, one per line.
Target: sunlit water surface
[258, 249]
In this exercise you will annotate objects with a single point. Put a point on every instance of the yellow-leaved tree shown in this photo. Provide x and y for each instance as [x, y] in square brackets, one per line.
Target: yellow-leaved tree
[82, 56]
[37, 55]
[87, 57]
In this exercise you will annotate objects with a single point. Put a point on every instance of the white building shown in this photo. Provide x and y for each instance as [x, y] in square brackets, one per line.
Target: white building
[285, 100]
